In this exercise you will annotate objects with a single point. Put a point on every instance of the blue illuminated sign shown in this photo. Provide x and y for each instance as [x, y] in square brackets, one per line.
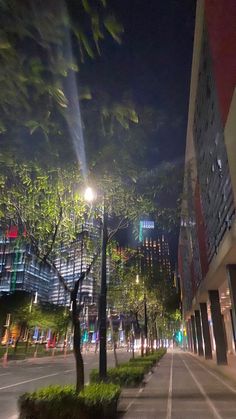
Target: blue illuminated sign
[145, 224]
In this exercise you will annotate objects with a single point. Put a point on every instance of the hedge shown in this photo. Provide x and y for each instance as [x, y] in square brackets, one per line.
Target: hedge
[57, 402]
[155, 357]
[125, 376]
[146, 364]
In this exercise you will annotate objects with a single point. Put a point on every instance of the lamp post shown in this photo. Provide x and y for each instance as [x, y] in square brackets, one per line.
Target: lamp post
[145, 315]
[102, 315]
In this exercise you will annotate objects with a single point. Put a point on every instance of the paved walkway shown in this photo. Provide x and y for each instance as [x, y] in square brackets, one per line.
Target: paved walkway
[181, 387]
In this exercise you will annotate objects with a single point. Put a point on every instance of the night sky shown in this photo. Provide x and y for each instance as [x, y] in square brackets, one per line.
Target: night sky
[153, 63]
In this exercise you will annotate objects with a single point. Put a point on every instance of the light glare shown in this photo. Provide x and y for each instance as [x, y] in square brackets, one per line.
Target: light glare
[89, 194]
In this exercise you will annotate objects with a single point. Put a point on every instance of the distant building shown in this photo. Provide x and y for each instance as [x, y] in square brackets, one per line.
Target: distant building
[155, 253]
[207, 242]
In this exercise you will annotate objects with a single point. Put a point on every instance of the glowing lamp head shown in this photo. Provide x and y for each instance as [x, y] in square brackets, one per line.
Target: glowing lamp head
[137, 279]
[89, 194]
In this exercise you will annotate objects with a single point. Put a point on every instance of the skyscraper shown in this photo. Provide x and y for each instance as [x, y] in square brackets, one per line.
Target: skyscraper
[155, 254]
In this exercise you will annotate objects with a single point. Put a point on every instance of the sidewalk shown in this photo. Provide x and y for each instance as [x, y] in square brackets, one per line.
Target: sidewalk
[179, 388]
[145, 401]
[226, 371]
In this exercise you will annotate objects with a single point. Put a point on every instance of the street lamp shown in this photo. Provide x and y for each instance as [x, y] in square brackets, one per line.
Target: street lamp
[145, 313]
[102, 316]
[89, 194]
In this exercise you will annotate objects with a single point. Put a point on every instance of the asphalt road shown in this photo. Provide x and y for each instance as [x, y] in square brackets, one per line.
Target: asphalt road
[182, 388]
[30, 375]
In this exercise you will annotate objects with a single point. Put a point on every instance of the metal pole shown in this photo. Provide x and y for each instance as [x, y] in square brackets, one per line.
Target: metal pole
[103, 303]
[145, 323]
[145, 316]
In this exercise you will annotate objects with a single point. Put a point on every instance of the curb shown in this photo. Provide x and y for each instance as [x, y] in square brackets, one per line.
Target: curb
[30, 359]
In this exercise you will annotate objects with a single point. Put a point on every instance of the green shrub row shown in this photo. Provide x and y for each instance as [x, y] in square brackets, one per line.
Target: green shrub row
[144, 363]
[98, 400]
[154, 357]
[125, 376]
[131, 373]
[55, 402]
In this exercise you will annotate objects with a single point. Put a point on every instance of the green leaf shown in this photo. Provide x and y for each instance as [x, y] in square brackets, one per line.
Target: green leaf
[73, 67]
[33, 125]
[4, 44]
[86, 6]
[86, 44]
[114, 27]
[85, 93]
[2, 128]
[133, 116]
[59, 96]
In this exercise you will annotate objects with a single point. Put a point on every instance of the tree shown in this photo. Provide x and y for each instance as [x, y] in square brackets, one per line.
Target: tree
[132, 292]
[42, 46]
[48, 208]
[26, 315]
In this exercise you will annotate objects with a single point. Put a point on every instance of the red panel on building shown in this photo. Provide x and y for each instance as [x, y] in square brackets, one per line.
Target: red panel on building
[201, 231]
[221, 25]
[12, 232]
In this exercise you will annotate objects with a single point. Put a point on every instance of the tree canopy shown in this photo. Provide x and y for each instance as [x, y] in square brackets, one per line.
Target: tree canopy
[26, 314]
[42, 45]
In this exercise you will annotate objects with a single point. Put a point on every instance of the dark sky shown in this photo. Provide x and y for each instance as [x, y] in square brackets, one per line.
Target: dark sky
[154, 64]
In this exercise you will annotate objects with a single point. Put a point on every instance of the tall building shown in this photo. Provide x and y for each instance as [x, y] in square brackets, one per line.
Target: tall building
[155, 253]
[207, 242]
[71, 262]
[21, 270]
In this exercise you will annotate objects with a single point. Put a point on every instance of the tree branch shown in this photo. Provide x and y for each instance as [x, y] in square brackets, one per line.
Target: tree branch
[54, 234]
[122, 224]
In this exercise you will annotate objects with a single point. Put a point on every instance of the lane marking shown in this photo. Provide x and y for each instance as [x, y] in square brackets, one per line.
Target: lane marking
[216, 376]
[6, 373]
[136, 396]
[201, 389]
[169, 402]
[134, 399]
[34, 379]
[149, 378]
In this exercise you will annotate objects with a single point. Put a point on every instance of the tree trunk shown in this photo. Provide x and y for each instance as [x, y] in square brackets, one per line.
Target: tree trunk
[78, 356]
[142, 345]
[115, 353]
[114, 342]
[27, 341]
[132, 338]
[17, 340]
[77, 338]
[103, 304]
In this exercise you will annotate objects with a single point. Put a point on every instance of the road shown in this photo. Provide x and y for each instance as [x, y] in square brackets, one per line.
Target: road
[182, 387]
[30, 375]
